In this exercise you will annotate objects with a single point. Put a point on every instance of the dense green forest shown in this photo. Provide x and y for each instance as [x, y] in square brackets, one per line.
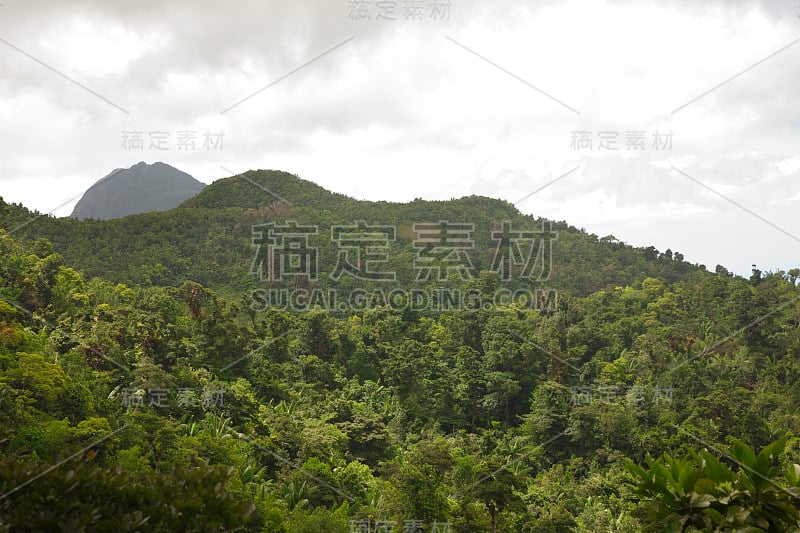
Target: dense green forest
[208, 239]
[141, 391]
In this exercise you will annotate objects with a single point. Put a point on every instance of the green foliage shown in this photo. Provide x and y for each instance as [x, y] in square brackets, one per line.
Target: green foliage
[703, 492]
[497, 420]
[208, 238]
[80, 496]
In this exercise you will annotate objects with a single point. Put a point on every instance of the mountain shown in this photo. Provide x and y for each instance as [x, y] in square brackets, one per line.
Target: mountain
[208, 238]
[139, 189]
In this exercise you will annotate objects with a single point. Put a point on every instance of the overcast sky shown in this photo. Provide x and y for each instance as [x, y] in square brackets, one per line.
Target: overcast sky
[430, 100]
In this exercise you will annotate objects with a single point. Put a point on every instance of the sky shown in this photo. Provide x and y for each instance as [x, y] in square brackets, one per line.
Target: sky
[673, 124]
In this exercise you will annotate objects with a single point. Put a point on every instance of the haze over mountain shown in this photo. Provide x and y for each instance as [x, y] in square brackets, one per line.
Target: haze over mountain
[139, 189]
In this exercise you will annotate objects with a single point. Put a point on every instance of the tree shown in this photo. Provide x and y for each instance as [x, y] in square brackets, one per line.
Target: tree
[491, 482]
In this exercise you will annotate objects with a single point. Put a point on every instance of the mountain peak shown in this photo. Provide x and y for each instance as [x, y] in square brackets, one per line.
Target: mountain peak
[139, 189]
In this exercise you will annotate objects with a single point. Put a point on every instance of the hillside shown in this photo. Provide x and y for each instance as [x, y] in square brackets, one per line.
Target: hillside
[141, 188]
[208, 238]
[133, 397]
[133, 408]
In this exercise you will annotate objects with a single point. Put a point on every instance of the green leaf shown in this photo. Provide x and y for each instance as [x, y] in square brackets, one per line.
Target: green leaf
[700, 500]
[743, 454]
[714, 469]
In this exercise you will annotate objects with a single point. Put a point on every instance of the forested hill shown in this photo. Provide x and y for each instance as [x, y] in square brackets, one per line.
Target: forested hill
[665, 399]
[208, 238]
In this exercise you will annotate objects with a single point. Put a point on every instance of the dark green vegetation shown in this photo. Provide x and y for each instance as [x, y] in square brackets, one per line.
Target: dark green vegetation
[703, 492]
[115, 337]
[208, 239]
